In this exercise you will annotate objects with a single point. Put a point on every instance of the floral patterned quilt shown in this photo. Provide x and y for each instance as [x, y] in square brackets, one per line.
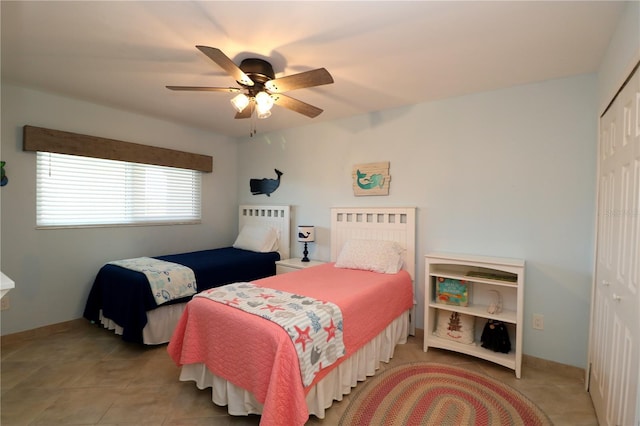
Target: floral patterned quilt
[167, 280]
[315, 326]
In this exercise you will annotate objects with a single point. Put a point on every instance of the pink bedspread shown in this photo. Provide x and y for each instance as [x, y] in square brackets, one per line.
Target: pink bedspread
[258, 355]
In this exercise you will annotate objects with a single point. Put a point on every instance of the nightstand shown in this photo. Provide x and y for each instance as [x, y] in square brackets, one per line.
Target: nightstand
[294, 264]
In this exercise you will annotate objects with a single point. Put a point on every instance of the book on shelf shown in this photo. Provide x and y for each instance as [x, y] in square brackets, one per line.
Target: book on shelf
[450, 291]
[493, 276]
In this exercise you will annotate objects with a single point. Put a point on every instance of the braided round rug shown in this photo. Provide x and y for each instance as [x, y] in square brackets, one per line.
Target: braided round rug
[428, 393]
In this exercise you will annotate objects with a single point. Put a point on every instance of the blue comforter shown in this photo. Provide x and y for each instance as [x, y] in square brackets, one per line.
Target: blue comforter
[124, 296]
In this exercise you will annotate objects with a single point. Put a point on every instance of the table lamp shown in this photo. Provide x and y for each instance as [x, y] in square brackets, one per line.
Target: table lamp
[306, 234]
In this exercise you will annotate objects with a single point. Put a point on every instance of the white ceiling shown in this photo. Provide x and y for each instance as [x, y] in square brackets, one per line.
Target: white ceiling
[380, 54]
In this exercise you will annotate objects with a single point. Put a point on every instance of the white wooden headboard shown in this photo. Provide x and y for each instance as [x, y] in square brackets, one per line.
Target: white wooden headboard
[377, 223]
[279, 217]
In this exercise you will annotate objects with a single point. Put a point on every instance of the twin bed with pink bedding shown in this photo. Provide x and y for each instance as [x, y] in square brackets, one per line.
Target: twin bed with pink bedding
[253, 365]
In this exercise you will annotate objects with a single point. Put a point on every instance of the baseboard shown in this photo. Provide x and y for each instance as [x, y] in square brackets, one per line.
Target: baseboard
[420, 334]
[557, 367]
[539, 363]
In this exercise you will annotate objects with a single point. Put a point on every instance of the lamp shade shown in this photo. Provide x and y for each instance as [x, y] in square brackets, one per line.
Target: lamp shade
[240, 102]
[262, 114]
[264, 101]
[306, 234]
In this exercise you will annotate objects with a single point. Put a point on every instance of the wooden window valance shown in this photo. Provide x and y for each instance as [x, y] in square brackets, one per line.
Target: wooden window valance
[49, 140]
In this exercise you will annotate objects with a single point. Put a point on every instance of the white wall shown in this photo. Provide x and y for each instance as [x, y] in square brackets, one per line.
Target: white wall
[505, 173]
[54, 269]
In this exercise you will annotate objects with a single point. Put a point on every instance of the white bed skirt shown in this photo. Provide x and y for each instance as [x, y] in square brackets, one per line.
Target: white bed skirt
[339, 382]
[161, 322]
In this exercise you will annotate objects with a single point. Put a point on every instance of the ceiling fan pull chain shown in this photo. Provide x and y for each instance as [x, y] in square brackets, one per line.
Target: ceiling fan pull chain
[253, 125]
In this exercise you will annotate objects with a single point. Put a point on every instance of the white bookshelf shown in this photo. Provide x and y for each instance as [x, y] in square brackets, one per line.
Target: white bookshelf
[504, 275]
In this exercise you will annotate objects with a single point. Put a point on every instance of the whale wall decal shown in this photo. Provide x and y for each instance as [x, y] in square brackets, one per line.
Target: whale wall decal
[265, 186]
[3, 176]
[371, 179]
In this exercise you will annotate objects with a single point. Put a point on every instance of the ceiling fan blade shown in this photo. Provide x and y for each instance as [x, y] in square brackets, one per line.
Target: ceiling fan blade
[226, 64]
[205, 89]
[296, 105]
[301, 80]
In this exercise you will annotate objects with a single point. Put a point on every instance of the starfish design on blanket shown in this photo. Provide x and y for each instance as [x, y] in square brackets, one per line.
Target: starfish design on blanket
[266, 295]
[233, 301]
[331, 330]
[273, 308]
[303, 337]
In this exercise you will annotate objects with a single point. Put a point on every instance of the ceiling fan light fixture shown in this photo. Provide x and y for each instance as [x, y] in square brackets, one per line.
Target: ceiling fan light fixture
[264, 101]
[240, 102]
[262, 114]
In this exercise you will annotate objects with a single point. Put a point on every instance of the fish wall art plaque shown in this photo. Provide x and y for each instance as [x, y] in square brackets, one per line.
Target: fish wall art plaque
[371, 179]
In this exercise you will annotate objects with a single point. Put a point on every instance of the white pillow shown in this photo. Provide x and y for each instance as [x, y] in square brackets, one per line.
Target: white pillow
[455, 326]
[371, 255]
[257, 238]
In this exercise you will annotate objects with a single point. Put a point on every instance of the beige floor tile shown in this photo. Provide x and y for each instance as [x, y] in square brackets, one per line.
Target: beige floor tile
[78, 406]
[110, 373]
[16, 372]
[141, 404]
[21, 406]
[57, 374]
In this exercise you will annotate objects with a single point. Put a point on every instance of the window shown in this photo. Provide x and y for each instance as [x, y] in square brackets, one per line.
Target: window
[84, 191]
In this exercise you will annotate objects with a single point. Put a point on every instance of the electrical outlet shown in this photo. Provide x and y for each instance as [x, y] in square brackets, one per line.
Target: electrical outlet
[538, 322]
[4, 303]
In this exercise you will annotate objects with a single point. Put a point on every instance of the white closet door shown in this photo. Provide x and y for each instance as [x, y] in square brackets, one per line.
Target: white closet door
[615, 331]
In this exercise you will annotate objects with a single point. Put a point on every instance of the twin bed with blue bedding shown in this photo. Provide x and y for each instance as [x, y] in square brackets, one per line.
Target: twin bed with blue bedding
[122, 298]
[124, 295]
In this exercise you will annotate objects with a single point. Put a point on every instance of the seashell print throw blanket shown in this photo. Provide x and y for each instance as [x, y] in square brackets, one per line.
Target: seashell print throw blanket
[168, 280]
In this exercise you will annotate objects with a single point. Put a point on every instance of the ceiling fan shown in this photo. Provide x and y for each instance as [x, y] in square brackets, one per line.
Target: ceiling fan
[260, 90]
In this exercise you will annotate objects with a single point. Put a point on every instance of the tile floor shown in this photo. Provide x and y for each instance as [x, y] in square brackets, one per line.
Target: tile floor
[79, 374]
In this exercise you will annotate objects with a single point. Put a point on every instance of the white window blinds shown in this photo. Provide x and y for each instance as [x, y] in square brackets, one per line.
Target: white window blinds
[83, 191]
